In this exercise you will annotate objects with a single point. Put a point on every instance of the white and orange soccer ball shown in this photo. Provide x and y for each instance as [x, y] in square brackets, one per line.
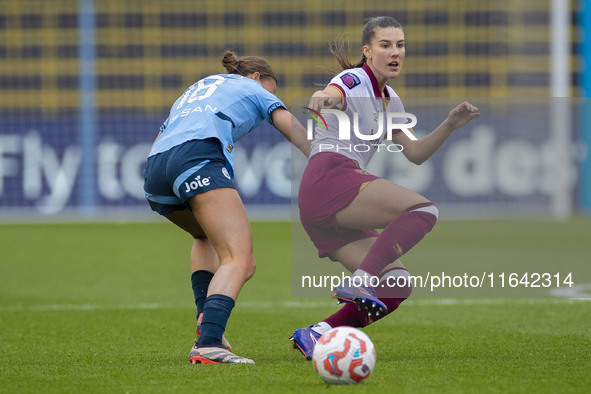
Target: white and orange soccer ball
[344, 355]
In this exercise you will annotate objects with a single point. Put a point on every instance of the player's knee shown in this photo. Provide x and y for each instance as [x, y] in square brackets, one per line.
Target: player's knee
[428, 212]
[250, 268]
[434, 212]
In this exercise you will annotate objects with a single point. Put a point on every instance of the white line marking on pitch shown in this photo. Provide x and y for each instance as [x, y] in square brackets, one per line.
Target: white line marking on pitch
[287, 304]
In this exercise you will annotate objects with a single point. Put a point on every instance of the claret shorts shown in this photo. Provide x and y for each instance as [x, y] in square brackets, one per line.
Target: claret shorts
[330, 183]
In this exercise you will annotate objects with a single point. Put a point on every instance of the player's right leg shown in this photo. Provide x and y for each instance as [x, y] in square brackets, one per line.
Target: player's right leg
[222, 216]
[204, 264]
[234, 248]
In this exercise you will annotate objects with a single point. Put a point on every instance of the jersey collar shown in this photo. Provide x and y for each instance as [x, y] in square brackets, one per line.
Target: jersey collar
[374, 82]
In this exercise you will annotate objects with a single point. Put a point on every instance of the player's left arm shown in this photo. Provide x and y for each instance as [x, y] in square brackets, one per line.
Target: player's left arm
[155, 139]
[291, 129]
[418, 151]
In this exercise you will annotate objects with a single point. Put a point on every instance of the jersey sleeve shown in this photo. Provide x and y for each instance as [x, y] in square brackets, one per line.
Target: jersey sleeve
[267, 103]
[345, 82]
[164, 125]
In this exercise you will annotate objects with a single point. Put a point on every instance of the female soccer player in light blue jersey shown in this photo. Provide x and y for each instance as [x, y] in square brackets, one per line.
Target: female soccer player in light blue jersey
[188, 179]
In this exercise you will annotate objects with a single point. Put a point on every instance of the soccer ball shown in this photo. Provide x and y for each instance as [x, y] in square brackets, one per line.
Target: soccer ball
[344, 355]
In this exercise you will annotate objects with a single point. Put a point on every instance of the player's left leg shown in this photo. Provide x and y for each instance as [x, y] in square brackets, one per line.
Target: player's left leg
[394, 288]
[204, 259]
[405, 216]
[204, 264]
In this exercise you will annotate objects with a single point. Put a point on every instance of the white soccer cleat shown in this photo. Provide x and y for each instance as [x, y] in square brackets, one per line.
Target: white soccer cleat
[215, 355]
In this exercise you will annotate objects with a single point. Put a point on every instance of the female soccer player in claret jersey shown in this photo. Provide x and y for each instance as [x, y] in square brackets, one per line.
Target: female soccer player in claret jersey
[188, 179]
[341, 205]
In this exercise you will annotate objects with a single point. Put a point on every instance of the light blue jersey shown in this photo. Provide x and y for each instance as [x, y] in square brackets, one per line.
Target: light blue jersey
[223, 106]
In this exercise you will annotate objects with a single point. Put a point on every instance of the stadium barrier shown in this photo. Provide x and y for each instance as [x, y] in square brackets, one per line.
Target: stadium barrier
[85, 87]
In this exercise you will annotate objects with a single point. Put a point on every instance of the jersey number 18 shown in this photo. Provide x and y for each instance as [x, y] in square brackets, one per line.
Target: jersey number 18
[210, 83]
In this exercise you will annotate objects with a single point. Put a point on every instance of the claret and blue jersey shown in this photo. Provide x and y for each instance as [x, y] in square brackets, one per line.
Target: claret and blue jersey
[223, 106]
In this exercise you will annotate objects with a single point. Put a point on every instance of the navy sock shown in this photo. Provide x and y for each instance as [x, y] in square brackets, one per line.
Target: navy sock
[216, 313]
[200, 283]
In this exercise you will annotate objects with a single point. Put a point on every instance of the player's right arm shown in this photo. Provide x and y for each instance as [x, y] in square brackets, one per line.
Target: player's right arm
[330, 97]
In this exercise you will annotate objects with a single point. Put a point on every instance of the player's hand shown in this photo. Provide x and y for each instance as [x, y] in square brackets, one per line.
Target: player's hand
[462, 114]
[320, 99]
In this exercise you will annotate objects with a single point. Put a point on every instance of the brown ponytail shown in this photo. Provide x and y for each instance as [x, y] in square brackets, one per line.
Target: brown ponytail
[247, 65]
[340, 47]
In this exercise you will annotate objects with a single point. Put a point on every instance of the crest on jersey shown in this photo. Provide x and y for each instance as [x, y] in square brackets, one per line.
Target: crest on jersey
[225, 172]
[350, 80]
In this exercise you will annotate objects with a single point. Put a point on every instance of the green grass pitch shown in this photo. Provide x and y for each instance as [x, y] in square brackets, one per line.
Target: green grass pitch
[107, 308]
